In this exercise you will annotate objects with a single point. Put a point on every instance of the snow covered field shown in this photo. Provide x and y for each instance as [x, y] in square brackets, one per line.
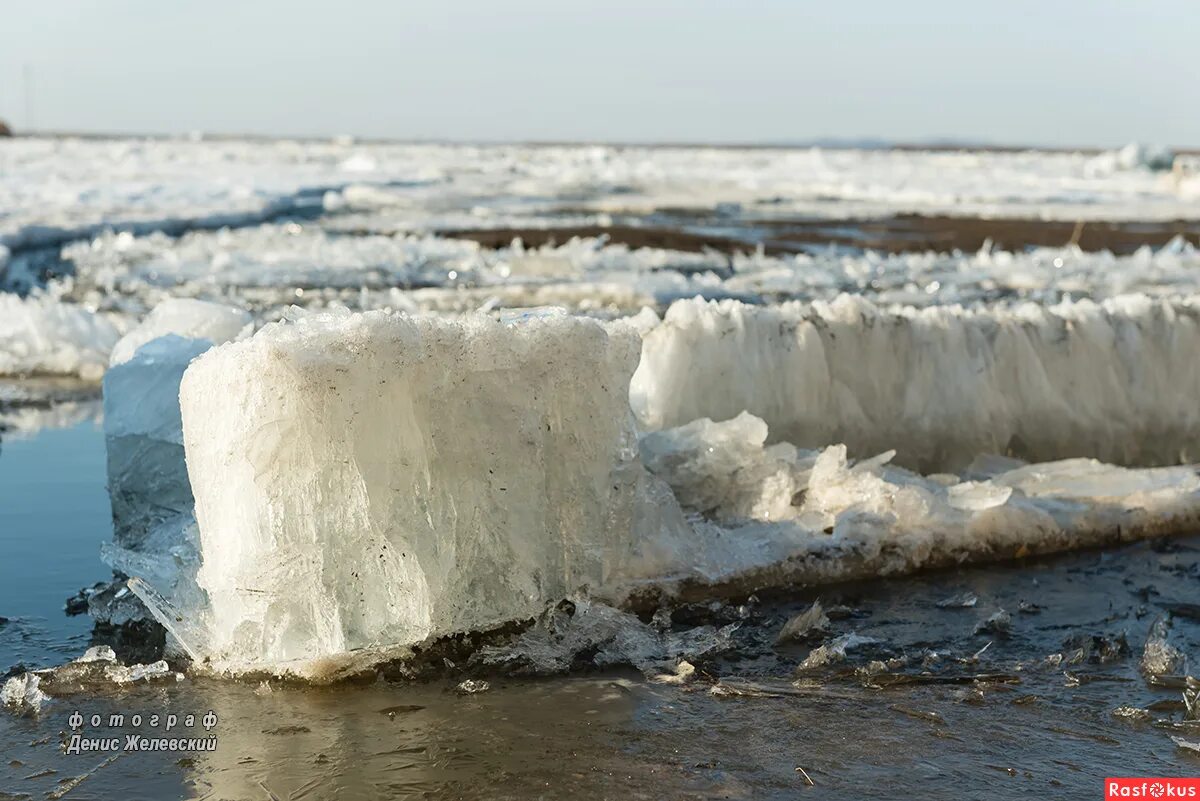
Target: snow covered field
[814, 415]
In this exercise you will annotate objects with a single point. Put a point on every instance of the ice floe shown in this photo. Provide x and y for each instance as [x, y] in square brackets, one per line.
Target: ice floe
[152, 502]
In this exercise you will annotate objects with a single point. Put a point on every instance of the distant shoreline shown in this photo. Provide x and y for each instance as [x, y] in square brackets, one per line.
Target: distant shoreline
[866, 144]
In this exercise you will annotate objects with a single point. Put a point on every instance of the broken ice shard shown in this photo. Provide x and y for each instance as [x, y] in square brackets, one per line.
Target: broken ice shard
[371, 480]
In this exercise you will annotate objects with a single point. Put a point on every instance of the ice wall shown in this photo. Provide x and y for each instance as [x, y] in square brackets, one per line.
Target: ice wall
[371, 480]
[1116, 381]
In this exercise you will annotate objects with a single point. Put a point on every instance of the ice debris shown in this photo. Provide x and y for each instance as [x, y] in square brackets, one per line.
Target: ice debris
[813, 622]
[22, 694]
[472, 687]
[96, 671]
[682, 674]
[41, 335]
[723, 470]
[999, 623]
[586, 632]
[965, 600]
[836, 651]
[1160, 657]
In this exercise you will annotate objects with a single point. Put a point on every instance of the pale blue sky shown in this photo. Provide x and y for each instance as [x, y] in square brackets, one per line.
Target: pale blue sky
[1045, 72]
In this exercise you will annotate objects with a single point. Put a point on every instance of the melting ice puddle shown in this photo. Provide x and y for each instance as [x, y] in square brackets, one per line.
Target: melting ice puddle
[54, 513]
[615, 734]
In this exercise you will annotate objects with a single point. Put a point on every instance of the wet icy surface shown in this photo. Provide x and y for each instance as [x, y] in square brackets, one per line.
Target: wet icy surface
[1040, 720]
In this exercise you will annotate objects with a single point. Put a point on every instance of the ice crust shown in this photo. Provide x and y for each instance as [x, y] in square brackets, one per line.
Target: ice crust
[1114, 380]
[372, 480]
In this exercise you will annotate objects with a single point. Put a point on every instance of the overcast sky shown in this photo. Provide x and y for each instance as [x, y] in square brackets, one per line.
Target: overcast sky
[1056, 72]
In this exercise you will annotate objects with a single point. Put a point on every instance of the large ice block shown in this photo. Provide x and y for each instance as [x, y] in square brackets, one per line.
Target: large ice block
[371, 480]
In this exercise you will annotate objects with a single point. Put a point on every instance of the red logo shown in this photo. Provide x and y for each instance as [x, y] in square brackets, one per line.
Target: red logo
[1151, 788]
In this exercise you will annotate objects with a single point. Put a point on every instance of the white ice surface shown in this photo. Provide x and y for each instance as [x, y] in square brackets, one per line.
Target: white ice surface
[1116, 381]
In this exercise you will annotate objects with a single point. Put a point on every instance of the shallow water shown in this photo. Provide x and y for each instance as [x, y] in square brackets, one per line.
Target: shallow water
[746, 727]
